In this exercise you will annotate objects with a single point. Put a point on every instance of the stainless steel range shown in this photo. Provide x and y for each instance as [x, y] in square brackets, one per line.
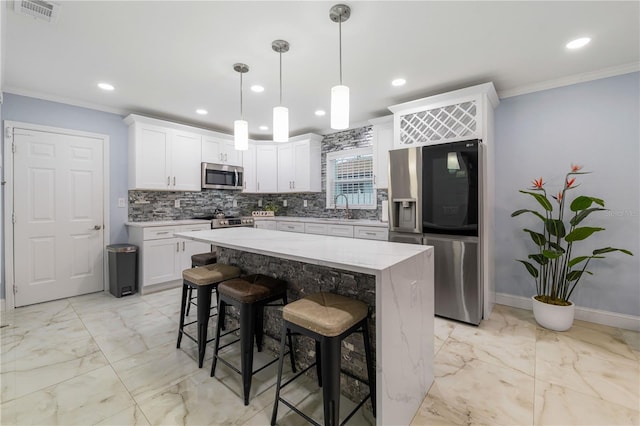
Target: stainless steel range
[233, 221]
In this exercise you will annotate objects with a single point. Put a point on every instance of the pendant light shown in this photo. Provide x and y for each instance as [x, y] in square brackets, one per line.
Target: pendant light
[241, 127]
[340, 94]
[280, 113]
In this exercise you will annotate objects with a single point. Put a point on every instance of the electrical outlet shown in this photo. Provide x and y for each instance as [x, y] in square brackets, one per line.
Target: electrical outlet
[260, 202]
[304, 203]
[235, 203]
[284, 203]
[122, 202]
[177, 204]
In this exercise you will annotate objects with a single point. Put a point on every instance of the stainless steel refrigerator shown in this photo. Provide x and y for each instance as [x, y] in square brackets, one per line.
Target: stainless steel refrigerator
[434, 199]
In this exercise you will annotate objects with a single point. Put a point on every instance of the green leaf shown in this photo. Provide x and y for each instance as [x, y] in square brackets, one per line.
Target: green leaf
[519, 212]
[577, 260]
[583, 214]
[575, 275]
[610, 249]
[532, 269]
[537, 238]
[583, 202]
[555, 227]
[555, 246]
[540, 259]
[551, 254]
[544, 202]
[579, 234]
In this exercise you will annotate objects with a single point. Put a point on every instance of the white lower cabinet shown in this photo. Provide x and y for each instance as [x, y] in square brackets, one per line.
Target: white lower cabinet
[371, 233]
[340, 230]
[266, 224]
[162, 257]
[315, 228]
[290, 226]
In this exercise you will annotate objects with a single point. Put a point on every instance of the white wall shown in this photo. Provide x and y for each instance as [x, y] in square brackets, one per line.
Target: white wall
[594, 124]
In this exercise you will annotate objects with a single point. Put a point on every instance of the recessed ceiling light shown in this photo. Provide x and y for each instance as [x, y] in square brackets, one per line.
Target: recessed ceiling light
[263, 127]
[257, 88]
[398, 82]
[320, 112]
[578, 43]
[202, 111]
[106, 86]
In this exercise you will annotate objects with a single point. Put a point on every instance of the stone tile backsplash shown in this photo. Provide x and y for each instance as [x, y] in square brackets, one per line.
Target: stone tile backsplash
[160, 205]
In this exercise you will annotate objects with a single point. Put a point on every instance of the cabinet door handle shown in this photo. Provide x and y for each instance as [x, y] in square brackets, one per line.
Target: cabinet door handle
[258, 186]
[183, 246]
[294, 184]
[374, 179]
[370, 233]
[220, 156]
[174, 181]
[178, 246]
[168, 180]
[162, 233]
[226, 157]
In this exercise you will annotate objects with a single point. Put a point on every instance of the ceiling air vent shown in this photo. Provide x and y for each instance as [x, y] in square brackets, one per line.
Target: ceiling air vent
[45, 10]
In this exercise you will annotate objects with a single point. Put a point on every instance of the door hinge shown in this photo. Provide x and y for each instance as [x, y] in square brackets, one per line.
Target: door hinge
[13, 147]
[15, 289]
[8, 132]
[13, 217]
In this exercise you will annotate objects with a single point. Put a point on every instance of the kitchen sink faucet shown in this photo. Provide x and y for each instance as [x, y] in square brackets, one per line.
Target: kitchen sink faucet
[346, 200]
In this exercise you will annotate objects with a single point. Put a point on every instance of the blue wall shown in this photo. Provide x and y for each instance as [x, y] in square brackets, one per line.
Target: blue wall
[594, 124]
[54, 114]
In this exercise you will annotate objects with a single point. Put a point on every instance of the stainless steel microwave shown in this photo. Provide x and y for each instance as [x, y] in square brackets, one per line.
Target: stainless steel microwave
[222, 176]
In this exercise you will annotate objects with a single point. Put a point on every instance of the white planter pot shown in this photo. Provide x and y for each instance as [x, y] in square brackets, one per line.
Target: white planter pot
[553, 317]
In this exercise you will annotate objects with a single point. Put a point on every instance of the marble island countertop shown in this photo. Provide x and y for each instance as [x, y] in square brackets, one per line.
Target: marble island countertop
[332, 220]
[366, 256]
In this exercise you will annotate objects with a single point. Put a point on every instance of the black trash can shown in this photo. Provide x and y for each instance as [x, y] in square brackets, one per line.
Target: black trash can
[123, 269]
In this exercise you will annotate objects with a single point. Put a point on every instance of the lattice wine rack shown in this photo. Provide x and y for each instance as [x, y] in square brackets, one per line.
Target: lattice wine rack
[439, 124]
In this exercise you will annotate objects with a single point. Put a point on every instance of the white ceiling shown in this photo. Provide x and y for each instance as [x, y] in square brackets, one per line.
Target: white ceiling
[168, 58]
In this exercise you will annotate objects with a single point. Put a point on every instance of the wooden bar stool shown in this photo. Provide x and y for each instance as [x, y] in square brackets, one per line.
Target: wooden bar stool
[250, 295]
[327, 318]
[204, 279]
[200, 259]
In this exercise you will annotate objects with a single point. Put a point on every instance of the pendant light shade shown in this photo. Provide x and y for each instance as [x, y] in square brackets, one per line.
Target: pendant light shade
[241, 127]
[241, 135]
[280, 124]
[280, 113]
[340, 94]
[339, 107]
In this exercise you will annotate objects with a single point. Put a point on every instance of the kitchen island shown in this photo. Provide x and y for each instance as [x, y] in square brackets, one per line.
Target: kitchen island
[398, 278]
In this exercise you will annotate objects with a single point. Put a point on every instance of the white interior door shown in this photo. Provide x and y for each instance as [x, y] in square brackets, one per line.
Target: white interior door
[58, 205]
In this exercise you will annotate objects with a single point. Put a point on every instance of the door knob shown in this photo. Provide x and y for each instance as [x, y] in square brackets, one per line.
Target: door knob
[97, 227]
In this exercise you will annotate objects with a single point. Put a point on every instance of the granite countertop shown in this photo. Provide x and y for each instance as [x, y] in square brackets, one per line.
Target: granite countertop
[332, 220]
[167, 223]
[351, 254]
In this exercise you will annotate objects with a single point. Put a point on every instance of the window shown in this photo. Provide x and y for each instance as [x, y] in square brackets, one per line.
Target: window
[350, 172]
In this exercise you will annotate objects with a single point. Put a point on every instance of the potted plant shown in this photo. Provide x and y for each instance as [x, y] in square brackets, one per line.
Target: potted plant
[555, 268]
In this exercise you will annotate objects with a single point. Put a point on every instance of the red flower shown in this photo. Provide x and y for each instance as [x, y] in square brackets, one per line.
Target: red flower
[558, 197]
[570, 182]
[537, 183]
[575, 168]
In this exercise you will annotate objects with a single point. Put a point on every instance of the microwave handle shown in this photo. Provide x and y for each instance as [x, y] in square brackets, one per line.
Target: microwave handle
[236, 172]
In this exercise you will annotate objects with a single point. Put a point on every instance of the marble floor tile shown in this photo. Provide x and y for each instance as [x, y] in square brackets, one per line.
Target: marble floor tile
[150, 372]
[35, 316]
[587, 368]
[556, 405]
[83, 400]
[462, 387]
[132, 416]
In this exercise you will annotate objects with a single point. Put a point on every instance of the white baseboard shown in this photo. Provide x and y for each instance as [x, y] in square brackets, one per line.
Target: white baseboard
[613, 319]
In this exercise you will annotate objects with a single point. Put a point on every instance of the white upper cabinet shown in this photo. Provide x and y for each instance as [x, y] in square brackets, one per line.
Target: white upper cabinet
[266, 168]
[249, 166]
[220, 150]
[299, 164]
[162, 158]
[382, 142]
[453, 116]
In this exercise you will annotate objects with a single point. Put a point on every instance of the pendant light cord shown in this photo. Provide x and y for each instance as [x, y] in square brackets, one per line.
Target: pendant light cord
[340, 37]
[241, 114]
[280, 77]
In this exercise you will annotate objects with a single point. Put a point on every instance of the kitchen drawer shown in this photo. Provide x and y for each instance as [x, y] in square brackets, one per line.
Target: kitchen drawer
[159, 232]
[340, 230]
[315, 228]
[291, 226]
[371, 233]
[196, 227]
